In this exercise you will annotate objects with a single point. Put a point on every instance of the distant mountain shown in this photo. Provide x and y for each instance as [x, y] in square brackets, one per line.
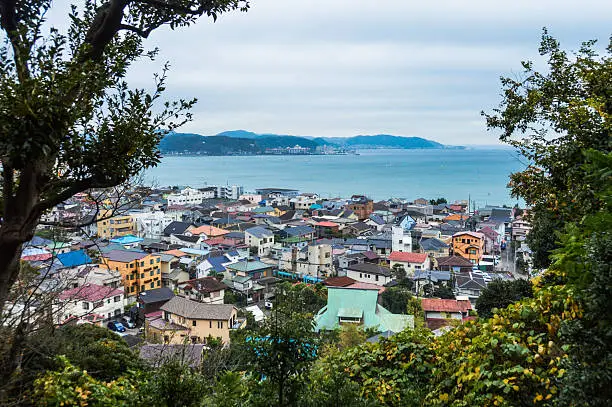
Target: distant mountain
[242, 142]
[384, 141]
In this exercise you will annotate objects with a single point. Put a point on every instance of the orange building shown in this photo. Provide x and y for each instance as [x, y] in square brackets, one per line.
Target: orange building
[469, 245]
[139, 271]
[361, 205]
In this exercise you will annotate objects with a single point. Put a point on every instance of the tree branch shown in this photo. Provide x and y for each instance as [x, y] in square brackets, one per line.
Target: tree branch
[160, 4]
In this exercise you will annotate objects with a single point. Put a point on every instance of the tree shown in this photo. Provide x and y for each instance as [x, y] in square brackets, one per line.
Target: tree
[500, 293]
[351, 335]
[68, 119]
[444, 292]
[395, 299]
[438, 201]
[552, 118]
[282, 350]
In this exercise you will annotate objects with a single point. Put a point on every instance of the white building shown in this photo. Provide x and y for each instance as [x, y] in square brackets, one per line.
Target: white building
[401, 240]
[259, 238]
[100, 303]
[189, 196]
[303, 201]
[318, 261]
[369, 273]
[229, 192]
[151, 224]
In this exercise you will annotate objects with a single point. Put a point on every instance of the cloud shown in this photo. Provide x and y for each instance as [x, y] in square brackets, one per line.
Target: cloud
[346, 67]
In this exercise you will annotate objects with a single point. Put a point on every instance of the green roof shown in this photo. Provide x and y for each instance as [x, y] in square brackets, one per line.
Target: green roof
[249, 266]
[350, 313]
[359, 303]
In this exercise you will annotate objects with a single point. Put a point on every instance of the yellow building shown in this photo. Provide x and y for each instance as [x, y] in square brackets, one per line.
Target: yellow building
[187, 321]
[139, 271]
[469, 245]
[117, 226]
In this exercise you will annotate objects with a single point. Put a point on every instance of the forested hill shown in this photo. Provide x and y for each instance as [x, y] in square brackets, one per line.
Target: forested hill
[241, 142]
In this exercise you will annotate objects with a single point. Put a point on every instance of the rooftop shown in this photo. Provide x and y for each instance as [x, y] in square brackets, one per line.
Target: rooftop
[124, 256]
[90, 292]
[408, 257]
[196, 310]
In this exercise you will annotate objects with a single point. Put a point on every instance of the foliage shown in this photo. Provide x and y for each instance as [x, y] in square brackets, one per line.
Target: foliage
[438, 201]
[71, 386]
[351, 335]
[282, 350]
[500, 293]
[229, 297]
[552, 118]
[395, 299]
[174, 384]
[444, 293]
[512, 359]
[394, 371]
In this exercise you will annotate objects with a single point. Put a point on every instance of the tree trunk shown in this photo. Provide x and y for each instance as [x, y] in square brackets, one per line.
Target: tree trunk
[10, 254]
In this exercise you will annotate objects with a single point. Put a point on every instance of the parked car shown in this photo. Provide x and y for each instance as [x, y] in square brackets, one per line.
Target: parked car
[115, 326]
[268, 304]
[129, 322]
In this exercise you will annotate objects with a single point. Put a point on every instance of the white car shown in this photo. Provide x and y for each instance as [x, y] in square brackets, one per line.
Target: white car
[268, 304]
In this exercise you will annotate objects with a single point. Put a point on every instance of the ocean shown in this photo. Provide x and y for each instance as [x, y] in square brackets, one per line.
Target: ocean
[478, 173]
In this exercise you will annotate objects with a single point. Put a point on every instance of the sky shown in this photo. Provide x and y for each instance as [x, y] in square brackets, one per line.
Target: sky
[349, 67]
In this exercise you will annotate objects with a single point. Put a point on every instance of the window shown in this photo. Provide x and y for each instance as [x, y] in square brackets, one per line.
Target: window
[131, 265]
[152, 284]
[210, 324]
[117, 298]
[151, 273]
[142, 287]
[220, 324]
[85, 305]
[142, 264]
[400, 242]
[193, 323]
[376, 277]
[141, 275]
[151, 261]
[132, 288]
[158, 283]
[158, 260]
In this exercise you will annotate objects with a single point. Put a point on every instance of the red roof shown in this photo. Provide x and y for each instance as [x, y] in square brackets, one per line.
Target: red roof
[339, 281]
[440, 305]
[408, 257]
[37, 257]
[90, 292]
[490, 233]
[219, 241]
[327, 224]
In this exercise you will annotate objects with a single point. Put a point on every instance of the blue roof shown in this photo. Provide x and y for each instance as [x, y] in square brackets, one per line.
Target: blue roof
[316, 206]
[127, 239]
[217, 263]
[72, 259]
[38, 241]
[259, 232]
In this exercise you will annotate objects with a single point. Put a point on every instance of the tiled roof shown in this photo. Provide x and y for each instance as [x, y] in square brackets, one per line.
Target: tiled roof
[259, 232]
[455, 216]
[433, 244]
[176, 228]
[155, 295]
[454, 261]
[124, 256]
[90, 292]
[175, 252]
[339, 281]
[327, 224]
[490, 233]
[441, 305]
[408, 257]
[477, 235]
[371, 268]
[195, 310]
[204, 285]
[209, 231]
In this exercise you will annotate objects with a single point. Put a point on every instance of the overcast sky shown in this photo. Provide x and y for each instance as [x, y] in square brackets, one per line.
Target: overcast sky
[348, 67]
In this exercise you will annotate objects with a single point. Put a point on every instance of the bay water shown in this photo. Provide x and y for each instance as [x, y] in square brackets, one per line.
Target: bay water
[480, 174]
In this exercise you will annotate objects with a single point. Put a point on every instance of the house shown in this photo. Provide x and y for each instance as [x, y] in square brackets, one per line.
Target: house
[456, 264]
[187, 321]
[492, 240]
[520, 229]
[191, 241]
[298, 236]
[434, 247]
[429, 277]
[208, 232]
[208, 290]
[252, 268]
[441, 312]
[104, 302]
[127, 241]
[339, 281]
[259, 239]
[410, 261]
[469, 285]
[140, 270]
[358, 306]
[327, 228]
[75, 258]
[361, 206]
[150, 301]
[114, 226]
[401, 239]
[369, 273]
[177, 228]
[469, 245]
[406, 222]
[174, 278]
[314, 260]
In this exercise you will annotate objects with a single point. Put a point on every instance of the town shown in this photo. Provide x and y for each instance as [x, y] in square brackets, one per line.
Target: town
[186, 266]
